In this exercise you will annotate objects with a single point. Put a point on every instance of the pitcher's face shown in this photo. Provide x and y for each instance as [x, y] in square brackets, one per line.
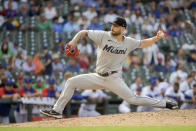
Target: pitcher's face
[116, 30]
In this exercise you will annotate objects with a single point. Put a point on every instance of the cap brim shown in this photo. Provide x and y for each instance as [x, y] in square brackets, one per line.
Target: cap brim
[113, 23]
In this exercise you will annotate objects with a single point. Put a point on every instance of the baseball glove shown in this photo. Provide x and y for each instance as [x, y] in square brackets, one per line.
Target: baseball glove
[71, 51]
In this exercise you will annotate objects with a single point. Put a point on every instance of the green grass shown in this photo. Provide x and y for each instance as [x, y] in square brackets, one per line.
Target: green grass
[103, 128]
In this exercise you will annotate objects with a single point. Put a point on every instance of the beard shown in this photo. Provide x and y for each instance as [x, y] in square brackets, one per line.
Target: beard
[115, 33]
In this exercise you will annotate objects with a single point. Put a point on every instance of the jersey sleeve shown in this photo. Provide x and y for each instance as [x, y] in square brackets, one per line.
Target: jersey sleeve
[14, 91]
[21, 91]
[2, 92]
[44, 92]
[133, 43]
[96, 36]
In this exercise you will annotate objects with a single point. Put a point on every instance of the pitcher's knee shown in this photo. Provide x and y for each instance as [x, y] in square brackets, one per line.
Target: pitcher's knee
[70, 83]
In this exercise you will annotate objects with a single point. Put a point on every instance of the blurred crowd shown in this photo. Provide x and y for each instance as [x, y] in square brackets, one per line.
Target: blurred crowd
[26, 75]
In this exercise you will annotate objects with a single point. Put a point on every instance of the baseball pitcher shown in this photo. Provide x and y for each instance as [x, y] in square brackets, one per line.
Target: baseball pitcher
[112, 49]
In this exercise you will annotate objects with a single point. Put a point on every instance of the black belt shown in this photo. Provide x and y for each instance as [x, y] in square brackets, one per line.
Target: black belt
[107, 73]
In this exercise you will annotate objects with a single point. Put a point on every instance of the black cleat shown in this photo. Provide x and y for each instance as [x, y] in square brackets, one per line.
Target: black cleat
[51, 113]
[171, 104]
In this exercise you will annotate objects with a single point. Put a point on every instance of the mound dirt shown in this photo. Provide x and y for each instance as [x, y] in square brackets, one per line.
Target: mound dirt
[166, 117]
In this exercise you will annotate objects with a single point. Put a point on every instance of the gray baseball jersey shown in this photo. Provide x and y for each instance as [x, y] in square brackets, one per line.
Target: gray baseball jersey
[110, 56]
[110, 52]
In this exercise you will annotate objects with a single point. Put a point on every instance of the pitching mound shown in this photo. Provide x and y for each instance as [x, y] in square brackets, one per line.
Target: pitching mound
[167, 117]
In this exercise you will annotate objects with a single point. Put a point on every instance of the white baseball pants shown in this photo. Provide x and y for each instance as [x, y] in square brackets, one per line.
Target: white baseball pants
[113, 83]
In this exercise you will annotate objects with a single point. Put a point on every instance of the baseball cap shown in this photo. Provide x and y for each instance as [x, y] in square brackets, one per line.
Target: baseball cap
[44, 47]
[51, 81]
[120, 21]
[28, 80]
[39, 79]
[153, 82]
[16, 43]
[9, 82]
[20, 77]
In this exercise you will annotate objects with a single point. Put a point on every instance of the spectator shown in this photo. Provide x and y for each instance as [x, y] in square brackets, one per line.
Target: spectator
[175, 94]
[50, 11]
[51, 90]
[101, 12]
[23, 11]
[186, 85]
[181, 58]
[95, 24]
[6, 40]
[137, 84]
[67, 75]
[160, 25]
[2, 20]
[57, 3]
[110, 16]
[190, 101]
[174, 31]
[132, 61]
[159, 67]
[90, 13]
[56, 26]
[83, 61]
[147, 26]
[71, 26]
[179, 73]
[43, 25]
[59, 47]
[170, 64]
[26, 91]
[126, 15]
[34, 10]
[83, 21]
[20, 81]
[39, 85]
[47, 61]
[150, 55]
[136, 17]
[8, 92]
[162, 85]
[135, 35]
[17, 49]
[124, 107]
[150, 91]
[9, 12]
[13, 3]
[3, 78]
[5, 52]
[89, 109]
[8, 25]
[56, 65]
[193, 74]
[192, 57]
[85, 47]
[72, 66]
[19, 61]
[28, 65]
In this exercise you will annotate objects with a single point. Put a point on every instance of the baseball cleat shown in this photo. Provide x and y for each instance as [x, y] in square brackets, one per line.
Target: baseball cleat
[51, 113]
[170, 104]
